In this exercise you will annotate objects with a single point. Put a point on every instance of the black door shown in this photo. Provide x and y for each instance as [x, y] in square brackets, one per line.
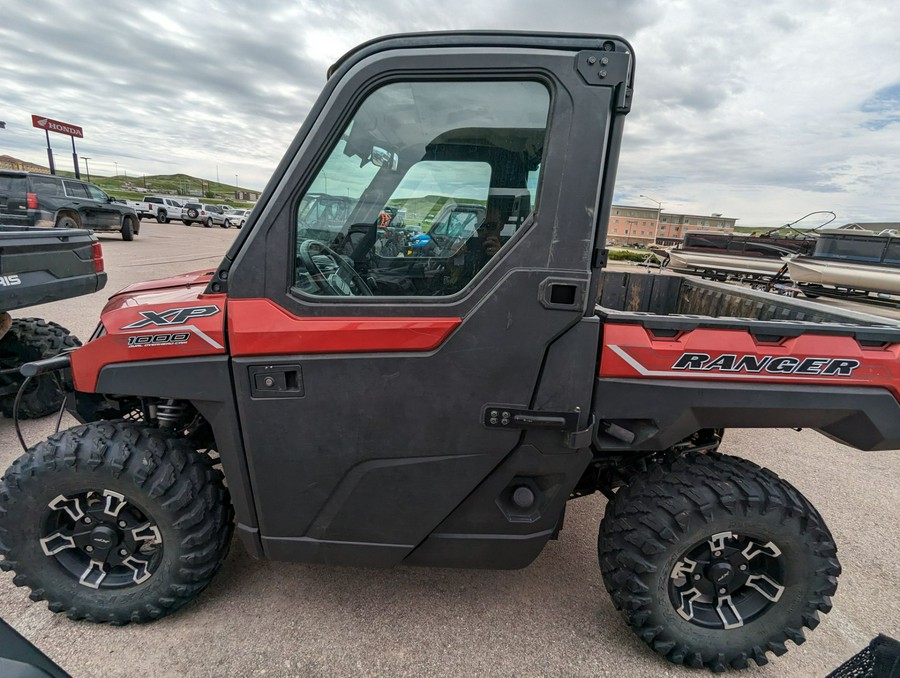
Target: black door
[387, 377]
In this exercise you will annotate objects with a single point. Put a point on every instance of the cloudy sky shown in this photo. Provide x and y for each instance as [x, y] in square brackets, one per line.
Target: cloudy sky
[762, 111]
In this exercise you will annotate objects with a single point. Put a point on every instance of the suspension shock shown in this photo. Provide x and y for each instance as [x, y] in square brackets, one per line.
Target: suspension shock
[170, 413]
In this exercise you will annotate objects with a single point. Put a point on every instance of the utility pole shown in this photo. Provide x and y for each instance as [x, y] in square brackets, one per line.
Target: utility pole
[87, 170]
[658, 212]
[117, 167]
[235, 187]
[75, 159]
[50, 153]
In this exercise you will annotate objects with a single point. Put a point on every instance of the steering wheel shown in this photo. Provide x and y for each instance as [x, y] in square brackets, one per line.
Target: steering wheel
[343, 281]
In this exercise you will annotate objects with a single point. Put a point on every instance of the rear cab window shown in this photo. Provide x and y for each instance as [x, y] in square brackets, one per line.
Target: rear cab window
[10, 184]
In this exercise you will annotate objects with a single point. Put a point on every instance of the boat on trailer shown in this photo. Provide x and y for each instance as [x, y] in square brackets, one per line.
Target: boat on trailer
[850, 263]
[736, 255]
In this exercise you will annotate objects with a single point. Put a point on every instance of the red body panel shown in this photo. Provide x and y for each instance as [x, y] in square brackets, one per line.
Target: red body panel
[259, 327]
[633, 352]
[173, 318]
[169, 318]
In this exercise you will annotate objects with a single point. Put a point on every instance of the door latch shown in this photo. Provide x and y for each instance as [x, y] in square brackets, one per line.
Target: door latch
[504, 416]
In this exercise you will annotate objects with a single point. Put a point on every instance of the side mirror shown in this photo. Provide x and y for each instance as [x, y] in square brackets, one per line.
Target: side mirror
[381, 157]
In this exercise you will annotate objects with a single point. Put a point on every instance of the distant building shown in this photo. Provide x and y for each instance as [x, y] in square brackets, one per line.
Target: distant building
[644, 225]
[11, 163]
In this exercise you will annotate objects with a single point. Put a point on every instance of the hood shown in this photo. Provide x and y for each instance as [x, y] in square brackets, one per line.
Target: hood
[183, 287]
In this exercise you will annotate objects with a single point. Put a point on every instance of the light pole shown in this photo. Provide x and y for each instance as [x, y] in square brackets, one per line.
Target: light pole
[658, 211]
[235, 187]
[87, 170]
[117, 167]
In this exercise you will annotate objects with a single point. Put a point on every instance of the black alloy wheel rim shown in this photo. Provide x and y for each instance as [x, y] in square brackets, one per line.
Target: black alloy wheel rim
[727, 581]
[101, 539]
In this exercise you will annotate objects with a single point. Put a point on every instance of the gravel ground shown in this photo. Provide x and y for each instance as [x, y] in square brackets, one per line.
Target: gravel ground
[552, 618]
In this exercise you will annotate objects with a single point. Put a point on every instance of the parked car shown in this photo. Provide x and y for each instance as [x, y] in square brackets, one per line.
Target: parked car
[200, 213]
[236, 216]
[32, 199]
[163, 209]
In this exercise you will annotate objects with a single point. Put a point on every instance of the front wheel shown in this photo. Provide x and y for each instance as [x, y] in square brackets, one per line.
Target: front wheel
[30, 339]
[114, 522]
[128, 230]
[715, 561]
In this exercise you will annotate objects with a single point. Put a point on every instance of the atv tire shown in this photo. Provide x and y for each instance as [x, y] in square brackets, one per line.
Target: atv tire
[114, 522]
[715, 561]
[34, 339]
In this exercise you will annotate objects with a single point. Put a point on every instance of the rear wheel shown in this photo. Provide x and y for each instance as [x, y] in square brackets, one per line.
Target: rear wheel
[715, 561]
[114, 522]
[34, 339]
[66, 222]
[162, 217]
[209, 222]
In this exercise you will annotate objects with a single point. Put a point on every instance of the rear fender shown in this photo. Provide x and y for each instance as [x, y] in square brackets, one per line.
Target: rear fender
[660, 413]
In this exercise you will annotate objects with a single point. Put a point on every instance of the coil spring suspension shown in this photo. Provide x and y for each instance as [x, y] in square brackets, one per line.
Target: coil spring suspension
[170, 413]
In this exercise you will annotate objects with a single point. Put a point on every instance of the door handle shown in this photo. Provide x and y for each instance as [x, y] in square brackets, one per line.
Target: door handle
[276, 381]
[566, 294]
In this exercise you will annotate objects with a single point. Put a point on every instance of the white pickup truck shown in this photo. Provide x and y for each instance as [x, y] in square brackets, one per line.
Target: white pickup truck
[162, 208]
[139, 207]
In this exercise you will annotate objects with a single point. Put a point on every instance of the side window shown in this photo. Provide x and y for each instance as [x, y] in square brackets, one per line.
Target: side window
[425, 186]
[96, 193]
[75, 189]
[47, 186]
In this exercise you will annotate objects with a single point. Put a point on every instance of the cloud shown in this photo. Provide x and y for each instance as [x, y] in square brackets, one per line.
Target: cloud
[758, 110]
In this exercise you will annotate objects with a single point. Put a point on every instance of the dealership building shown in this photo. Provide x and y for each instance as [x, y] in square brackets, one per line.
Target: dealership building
[645, 225]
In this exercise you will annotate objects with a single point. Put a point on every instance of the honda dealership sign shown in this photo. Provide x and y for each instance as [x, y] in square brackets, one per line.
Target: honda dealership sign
[57, 126]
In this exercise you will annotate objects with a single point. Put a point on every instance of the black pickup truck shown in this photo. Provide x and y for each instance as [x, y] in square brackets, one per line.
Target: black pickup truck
[39, 265]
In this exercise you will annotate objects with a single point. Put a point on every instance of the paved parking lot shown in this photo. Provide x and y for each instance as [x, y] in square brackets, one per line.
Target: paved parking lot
[552, 618]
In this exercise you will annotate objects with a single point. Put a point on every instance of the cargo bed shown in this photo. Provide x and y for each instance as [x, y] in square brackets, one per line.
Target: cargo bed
[39, 265]
[679, 355]
[664, 302]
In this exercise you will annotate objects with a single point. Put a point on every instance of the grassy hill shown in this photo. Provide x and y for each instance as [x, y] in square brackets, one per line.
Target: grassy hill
[135, 188]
